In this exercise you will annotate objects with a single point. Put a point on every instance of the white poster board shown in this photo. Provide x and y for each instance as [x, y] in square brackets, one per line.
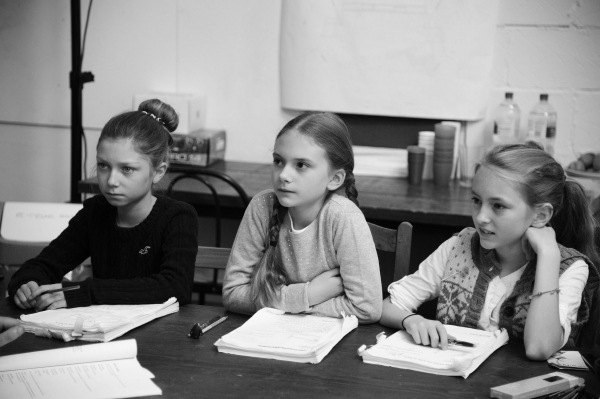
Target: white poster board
[409, 58]
[35, 221]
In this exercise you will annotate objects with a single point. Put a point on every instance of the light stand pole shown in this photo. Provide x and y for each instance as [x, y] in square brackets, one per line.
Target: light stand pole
[76, 81]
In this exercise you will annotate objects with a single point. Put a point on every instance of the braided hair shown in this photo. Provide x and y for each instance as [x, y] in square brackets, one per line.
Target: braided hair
[330, 133]
[540, 179]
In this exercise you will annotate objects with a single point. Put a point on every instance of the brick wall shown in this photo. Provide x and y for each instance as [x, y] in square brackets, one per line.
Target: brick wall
[551, 46]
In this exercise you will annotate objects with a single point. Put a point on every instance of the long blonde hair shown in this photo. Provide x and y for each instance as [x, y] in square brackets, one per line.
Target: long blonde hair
[329, 132]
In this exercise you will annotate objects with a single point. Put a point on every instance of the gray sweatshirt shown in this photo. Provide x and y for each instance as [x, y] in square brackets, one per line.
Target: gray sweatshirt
[339, 237]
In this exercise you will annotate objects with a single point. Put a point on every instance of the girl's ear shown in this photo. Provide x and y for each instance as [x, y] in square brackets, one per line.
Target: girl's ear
[159, 172]
[336, 180]
[542, 215]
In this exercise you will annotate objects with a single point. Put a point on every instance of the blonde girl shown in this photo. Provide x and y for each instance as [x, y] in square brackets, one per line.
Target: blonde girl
[523, 267]
[304, 246]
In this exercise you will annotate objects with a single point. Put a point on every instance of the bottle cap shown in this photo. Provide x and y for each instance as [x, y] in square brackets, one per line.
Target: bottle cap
[508, 95]
[544, 97]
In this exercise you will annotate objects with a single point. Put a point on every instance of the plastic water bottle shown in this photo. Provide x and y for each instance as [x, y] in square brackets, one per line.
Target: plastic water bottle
[542, 124]
[506, 121]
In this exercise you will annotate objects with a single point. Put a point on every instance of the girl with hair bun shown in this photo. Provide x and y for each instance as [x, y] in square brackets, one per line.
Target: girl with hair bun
[142, 246]
[529, 265]
[304, 246]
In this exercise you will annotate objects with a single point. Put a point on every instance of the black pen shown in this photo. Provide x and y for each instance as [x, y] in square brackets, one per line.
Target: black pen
[454, 341]
[199, 329]
[71, 288]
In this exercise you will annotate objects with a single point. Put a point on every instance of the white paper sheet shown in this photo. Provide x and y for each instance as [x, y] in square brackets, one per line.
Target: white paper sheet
[110, 379]
[126, 349]
[378, 161]
[108, 370]
[411, 58]
[100, 322]
[399, 350]
[567, 360]
[272, 334]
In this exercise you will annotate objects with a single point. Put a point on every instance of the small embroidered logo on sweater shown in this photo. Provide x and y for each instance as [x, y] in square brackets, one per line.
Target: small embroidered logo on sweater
[144, 251]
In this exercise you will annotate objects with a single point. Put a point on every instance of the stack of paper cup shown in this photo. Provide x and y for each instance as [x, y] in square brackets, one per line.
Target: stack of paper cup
[443, 154]
[426, 139]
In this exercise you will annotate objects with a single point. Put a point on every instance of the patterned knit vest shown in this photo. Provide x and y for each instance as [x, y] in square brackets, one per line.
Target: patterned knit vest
[470, 269]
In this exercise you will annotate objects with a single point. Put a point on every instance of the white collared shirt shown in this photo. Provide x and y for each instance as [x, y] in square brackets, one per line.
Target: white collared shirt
[498, 290]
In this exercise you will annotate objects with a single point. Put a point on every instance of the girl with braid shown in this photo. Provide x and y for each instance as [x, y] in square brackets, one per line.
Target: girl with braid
[304, 246]
[529, 265]
[142, 246]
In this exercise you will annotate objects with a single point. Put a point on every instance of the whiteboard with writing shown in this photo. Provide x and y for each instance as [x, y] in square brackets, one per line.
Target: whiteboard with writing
[35, 221]
[408, 58]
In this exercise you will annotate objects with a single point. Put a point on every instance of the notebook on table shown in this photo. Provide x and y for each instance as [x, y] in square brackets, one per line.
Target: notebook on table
[272, 334]
[101, 323]
[96, 371]
[400, 350]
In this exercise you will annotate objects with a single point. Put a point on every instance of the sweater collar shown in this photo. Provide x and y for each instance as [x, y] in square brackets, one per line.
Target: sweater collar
[157, 209]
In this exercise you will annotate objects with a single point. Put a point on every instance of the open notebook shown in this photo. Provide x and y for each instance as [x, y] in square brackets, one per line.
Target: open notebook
[400, 350]
[95, 371]
[100, 323]
[271, 334]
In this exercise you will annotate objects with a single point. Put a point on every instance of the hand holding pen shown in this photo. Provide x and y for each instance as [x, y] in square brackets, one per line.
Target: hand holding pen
[44, 297]
[48, 297]
[430, 332]
[425, 332]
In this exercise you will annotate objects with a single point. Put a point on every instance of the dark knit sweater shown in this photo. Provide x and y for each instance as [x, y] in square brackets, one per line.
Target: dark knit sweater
[148, 263]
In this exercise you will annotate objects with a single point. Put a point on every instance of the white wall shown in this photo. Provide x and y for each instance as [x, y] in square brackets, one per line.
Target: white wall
[228, 50]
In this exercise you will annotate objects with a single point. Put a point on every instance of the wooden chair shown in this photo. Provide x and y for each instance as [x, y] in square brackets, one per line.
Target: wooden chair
[209, 258]
[212, 258]
[202, 175]
[397, 242]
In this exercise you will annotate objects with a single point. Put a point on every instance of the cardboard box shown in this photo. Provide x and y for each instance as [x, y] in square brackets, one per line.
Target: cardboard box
[191, 108]
[202, 147]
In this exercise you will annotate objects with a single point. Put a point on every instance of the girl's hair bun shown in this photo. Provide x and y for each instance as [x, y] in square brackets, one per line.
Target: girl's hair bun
[163, 112]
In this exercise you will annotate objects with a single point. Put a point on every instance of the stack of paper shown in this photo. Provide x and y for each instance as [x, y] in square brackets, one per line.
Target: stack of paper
[100, 323]
[271, 334]
[379, 161]
[90, 371]
[571, 360]
[399, 350]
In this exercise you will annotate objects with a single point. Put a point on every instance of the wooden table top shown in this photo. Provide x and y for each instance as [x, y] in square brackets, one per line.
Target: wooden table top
[188, 368]
[381, 198]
